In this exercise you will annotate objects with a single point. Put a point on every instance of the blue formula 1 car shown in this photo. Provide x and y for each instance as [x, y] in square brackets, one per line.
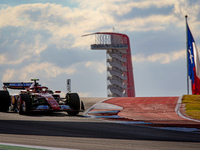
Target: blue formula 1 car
[34, 97]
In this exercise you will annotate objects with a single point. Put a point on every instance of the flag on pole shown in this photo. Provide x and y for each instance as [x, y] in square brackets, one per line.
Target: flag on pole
[193, 63]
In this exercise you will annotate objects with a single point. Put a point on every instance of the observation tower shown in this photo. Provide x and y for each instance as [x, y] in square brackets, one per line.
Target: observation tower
[120, 81]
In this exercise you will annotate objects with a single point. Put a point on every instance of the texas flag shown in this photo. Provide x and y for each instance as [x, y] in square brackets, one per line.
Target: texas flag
[193, 63]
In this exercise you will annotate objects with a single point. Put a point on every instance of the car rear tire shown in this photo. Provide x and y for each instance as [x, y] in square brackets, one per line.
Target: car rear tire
[4, 100]
[74, 103]
[24, 104]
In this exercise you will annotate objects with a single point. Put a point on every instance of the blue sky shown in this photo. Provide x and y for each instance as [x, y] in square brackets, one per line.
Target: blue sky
[42, 39]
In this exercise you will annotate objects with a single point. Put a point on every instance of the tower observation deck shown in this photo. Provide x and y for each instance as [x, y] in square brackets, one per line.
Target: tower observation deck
[120, 81]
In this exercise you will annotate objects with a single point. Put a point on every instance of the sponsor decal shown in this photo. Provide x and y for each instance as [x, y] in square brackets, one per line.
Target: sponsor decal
[20, 84]
[42, 107]
[53, 103]
[64, 107]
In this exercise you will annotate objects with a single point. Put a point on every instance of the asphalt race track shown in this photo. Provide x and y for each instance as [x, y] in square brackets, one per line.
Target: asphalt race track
[63, 131]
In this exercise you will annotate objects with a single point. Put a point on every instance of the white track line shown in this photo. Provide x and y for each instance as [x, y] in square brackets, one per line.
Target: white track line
[32, 146]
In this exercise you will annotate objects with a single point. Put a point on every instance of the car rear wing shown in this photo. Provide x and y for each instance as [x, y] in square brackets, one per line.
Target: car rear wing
[17, 85]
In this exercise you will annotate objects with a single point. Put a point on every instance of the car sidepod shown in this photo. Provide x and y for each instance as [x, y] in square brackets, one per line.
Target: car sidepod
[24, 103]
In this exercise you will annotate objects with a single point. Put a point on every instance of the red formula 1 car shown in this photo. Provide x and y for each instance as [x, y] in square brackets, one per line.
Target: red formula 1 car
[34, 97]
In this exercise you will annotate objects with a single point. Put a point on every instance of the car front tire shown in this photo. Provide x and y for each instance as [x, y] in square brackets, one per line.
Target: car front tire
[73, 100]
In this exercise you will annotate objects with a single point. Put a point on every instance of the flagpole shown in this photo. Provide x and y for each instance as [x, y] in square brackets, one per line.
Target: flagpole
[187, 54]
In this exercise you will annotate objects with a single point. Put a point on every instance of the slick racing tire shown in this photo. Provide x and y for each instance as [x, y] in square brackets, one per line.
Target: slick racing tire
[24, 104]
[74, 103]
[4, 100]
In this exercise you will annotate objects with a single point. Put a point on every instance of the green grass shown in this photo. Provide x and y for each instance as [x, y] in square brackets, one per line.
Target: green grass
[192, 105]
[7, 147]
